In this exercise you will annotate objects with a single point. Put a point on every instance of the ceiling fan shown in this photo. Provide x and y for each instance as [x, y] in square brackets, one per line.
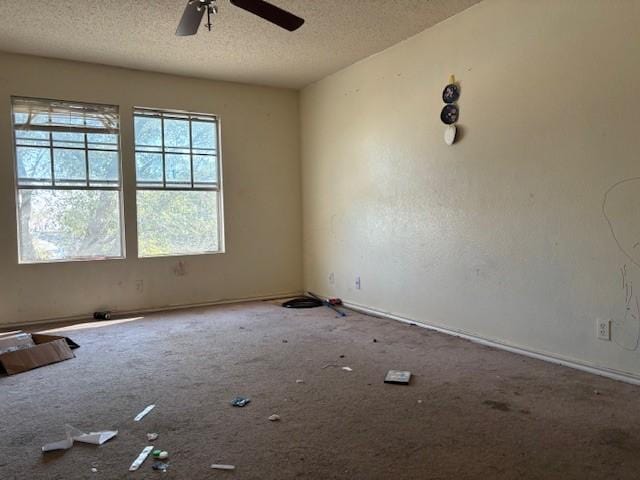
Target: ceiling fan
[195, 9]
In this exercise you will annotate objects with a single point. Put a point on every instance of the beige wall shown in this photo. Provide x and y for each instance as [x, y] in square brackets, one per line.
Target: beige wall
[501, 235]
[261, 197]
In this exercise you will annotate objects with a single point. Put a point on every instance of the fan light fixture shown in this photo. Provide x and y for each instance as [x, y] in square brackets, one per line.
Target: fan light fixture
[194, 11]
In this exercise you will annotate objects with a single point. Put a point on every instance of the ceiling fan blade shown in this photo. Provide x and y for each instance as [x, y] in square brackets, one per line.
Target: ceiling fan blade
[271, 13]
[191, 18]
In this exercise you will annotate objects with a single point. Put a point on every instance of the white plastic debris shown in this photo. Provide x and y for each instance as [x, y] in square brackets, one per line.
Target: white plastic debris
[217, 466]
[152, 436]
[299, 381]
[274, 417]
[141, 458]
[163, 455]
[74, 435]
[348, 369]
[94, 470]
[142, 414]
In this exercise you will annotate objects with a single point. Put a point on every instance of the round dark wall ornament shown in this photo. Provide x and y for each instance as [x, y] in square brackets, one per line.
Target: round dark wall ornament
[451, 93]
[449, 114]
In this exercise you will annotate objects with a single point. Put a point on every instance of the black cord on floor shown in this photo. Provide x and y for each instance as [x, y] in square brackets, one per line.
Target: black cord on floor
[303, 302]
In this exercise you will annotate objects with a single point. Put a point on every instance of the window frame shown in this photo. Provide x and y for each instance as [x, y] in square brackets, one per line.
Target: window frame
[217, 188]
[87, 187]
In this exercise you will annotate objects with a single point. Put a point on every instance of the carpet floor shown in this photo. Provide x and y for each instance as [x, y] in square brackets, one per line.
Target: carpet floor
[470, 412]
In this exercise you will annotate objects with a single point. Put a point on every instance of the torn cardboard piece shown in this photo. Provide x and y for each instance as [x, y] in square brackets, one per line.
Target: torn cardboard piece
[74, 435]
[13, 341]
[21, 351]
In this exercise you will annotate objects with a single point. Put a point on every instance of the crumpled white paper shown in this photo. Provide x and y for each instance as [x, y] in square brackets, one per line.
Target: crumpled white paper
[74, 435]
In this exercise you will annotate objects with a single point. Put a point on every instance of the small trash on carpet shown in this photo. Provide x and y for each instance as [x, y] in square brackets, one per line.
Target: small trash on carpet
[152, 436]
[285, 341]
[74, 435]
[331, 303]
[375, 341]
[141, 458]
[240, 401]
[143, 413]
[217, 466]
[94, 470]
[398, 377]
[160, 454]
[105, 315]
[160, 466]
[299, 380]
[274, 417]
[347, 369]
[341, 356]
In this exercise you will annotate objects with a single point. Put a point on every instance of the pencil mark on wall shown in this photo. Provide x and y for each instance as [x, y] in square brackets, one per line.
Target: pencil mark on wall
[619, 207]
[631, 311]
[621, 210]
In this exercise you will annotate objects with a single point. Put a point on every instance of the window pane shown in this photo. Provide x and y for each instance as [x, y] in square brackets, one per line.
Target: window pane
[103, 168]
[69, 166]
[204, 169]
[149, 168]
[34, 165]
[176, 133]
[67, 139]
[177, 222]
[32, 137]
[204, 135]
[102, 141]
[148, 131]
[68, 225]
[20, 118]
[178, 168]
[68, 118]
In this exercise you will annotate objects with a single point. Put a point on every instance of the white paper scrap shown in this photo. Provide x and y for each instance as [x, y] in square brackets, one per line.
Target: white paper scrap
[141, 458]
[96, 438]
[223, 467]
[348, 369]
[141, 415]
[61, 445]
[75, 435]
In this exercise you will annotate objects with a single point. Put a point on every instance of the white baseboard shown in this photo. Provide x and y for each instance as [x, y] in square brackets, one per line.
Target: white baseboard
[165, 308]
[567, 362]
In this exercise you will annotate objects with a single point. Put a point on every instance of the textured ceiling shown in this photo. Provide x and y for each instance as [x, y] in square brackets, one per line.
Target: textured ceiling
[243, 48]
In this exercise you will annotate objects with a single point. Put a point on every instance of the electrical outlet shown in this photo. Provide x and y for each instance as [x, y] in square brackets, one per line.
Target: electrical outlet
[603, 329]
[332, 278]
[357, 283]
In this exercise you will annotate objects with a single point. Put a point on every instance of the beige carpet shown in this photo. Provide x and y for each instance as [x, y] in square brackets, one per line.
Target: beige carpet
[470, 411]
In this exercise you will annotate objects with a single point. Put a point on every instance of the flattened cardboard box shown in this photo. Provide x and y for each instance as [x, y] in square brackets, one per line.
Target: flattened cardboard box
[47, 349]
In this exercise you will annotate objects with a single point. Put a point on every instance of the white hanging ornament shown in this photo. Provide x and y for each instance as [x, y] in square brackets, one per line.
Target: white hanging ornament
[450, 134]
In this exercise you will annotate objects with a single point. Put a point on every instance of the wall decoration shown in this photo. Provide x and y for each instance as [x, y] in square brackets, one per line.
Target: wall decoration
[450, 134]
[451, 93]
[450, 112]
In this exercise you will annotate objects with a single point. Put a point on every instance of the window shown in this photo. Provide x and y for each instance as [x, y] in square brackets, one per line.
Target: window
[178, 183]
[69, 189]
